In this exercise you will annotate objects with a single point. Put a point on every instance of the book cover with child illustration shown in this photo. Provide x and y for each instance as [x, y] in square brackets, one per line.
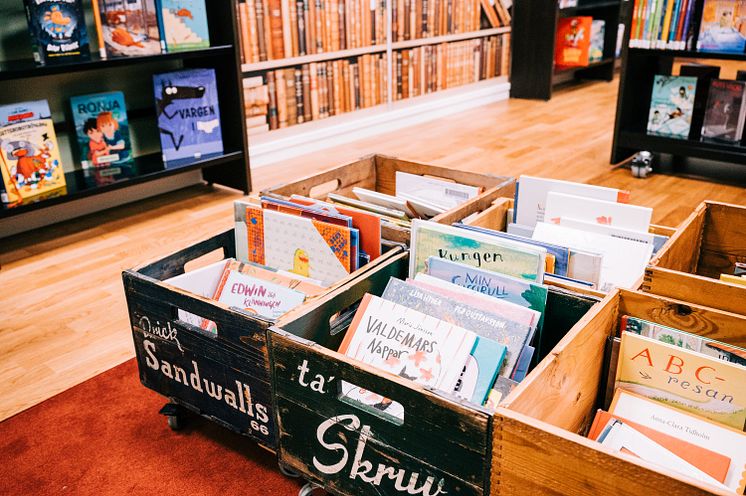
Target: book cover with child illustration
[102, 129]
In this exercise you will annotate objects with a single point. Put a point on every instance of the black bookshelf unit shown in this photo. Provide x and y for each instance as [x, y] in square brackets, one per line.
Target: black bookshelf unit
[21, 79]
[533, 73]
[673, 156]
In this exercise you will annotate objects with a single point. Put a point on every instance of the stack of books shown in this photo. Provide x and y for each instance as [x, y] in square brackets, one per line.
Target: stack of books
[678, 402]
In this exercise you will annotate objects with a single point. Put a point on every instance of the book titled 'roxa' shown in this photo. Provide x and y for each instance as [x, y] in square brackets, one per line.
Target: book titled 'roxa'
[58, 32]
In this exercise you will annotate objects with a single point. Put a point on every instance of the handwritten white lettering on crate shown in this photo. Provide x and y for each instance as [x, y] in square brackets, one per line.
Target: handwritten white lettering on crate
[158, 330]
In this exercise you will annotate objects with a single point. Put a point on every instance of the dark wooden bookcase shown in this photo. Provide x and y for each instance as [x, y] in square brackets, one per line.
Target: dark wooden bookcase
[677, 156]
[21, 80]
[533, 74]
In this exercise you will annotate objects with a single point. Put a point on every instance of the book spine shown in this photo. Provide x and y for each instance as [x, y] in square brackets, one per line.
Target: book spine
[285, 33]
[319, 32]
[290, 97]
[342, 23]
[398, 75]
[293, 27]
[243, 31]
[299, 102]
[687, 25]
[680, 24]
[307, 115]
[274, 122]
[310, 6]
[670, 40]
[282, 111]
[253, 31]
[356, 84]
[313, 73]
[662, 42]
[394, 21]
[261, 30]
[300, 8]
[100, 29]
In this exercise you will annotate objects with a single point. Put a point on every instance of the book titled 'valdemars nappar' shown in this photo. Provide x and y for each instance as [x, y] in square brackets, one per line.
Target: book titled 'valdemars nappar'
[102, 129]
[188, 113]
[57, 29]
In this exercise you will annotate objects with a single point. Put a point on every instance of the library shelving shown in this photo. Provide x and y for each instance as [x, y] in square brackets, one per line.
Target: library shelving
[533, 72]
[22, 80]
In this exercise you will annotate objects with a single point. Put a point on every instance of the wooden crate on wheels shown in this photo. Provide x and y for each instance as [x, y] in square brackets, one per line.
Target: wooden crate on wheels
[378, 172]
[708, 243]
[538, 443]
[442, 445]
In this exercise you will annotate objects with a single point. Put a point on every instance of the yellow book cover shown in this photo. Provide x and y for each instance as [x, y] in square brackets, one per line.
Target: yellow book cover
[684, 379]
[741, 281]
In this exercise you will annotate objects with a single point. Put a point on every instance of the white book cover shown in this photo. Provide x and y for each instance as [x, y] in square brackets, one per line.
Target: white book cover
[602, 212]
[690, 428]
[384, 200]
[613, 231]
[623, 262]
[445, 194]
[532, 196]
[203, 282]
[257, 296]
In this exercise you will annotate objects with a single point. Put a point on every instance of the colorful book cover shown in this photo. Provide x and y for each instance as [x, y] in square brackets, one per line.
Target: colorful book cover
[724, 115]
[671, 106]
[188, 113]
[684, 379]
[29, 153]
[184, 24]
[281, 278]
[130, 27]
[58, 32]
[476, 249]
[482, 366]
[633, 217]
[598, 33]
[573, 41]
[722, 26]
[102, 129]
[682, 339]
[488, 325]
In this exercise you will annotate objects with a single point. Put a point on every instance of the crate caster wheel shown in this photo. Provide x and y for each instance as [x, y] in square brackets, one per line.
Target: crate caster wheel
[310, 489]
[174, 422]
[288, 472]
[174, 415]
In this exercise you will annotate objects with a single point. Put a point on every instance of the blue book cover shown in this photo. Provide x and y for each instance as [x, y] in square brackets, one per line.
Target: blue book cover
[671, 106]
[481, 370]
[130, 27]
[101, 129]
[188, 113]
[58, 32]
[183, 24]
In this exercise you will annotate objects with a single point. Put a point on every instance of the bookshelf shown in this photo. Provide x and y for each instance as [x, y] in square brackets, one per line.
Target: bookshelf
[691, 157]
[90, 190]
[384, 51]
[533, 71]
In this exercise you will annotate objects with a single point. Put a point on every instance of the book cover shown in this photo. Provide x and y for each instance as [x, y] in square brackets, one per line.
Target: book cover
[671, 106]
[602, 212]
[573, 41]
[722, 27]
[687, 427]
[684, 379]
[130, 28]
[475, 249]
[446, 194]
[500, 390]
[58, 31]
[598, 33]
[481, 369]
[102, 129]
[29, 153]
[184, 24]
[724, 115]
[188, 113]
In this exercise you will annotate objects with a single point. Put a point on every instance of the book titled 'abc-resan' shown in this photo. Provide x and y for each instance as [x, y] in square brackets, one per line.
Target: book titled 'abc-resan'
[188, 113]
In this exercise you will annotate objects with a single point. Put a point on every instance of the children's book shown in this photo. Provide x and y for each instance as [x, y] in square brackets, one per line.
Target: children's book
[183, 24]
[613, 231]
[722, 26]
[606, 213]
[188, 113]
[203, 281]
[130, 27]
[58, 31]
[724, 116]
[671, 106]
[278, 277]
[29, 153]
[687, 427]
[481, 369]
[573, 41]
[445, 194]
[598, 32]
[102, 129]
[684, 379]
[476, 249]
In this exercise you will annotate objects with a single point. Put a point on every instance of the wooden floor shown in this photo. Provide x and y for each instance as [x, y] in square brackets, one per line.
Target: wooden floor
[62, 313]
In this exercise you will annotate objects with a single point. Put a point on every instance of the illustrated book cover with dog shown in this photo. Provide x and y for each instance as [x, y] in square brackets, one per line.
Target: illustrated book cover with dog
[188, 113]
[130, 28]
[102, 129]
[183, 24]
[58, 32]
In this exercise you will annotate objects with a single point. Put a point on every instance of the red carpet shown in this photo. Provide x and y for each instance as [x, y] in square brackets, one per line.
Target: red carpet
[105, 436]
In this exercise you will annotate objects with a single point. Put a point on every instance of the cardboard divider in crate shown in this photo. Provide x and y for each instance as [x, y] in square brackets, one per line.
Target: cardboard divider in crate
[441, 445]
[708, 243]
[538, 441]
[222, 375]
[378, 172]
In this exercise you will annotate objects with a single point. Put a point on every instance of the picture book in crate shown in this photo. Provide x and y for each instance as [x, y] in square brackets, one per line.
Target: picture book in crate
[671, 106]
[58, 31]
[685, 379]
[183, 24]
[29, 153]
[130, 28]
[725, 113]
[573, 43]
[721, 27]
[102, 129]
[188, 113]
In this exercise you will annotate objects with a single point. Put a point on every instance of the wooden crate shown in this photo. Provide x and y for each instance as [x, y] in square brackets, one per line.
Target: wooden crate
[444, 442]
[198, 369]
[537, 442]
[709, 242]
[378, 172]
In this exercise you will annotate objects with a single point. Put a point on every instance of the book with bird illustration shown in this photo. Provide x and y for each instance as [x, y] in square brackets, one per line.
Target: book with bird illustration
[183, 24]
[58, 32]
[130, 28]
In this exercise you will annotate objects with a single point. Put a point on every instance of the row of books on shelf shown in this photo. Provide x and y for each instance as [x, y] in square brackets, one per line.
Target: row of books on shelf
[696, 105]
[187, 113]
[677, 400]
[131, 28]
[679, 25]
[313, 91]
[278, 29]
[580, 41]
